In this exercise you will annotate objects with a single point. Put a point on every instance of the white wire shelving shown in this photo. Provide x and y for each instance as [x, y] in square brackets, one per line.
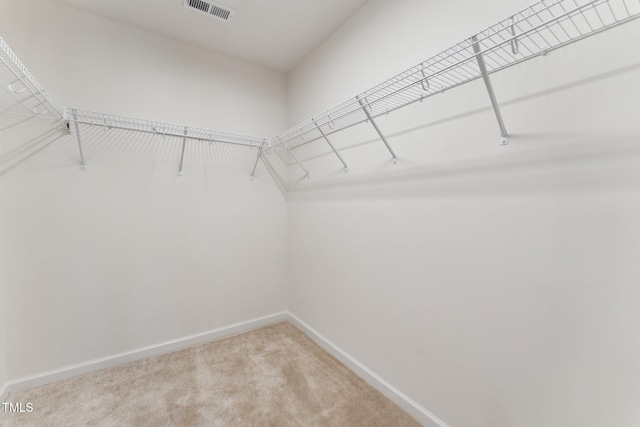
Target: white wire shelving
[112, 121]
[109, 121]
[543, 27]
[21, 92]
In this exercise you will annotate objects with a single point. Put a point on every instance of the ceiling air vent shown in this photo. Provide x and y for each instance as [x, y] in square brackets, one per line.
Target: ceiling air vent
[212, 9]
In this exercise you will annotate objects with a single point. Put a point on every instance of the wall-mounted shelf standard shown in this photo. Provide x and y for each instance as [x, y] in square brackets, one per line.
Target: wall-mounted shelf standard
[545, 26]
[21, 92]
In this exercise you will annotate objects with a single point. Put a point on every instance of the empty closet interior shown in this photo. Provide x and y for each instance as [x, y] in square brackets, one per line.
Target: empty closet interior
[443, 195]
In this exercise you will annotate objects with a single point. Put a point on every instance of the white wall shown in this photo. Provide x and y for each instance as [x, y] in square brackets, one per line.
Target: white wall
[3, 313]
[127, 254]
[496, 286]
[93, 63]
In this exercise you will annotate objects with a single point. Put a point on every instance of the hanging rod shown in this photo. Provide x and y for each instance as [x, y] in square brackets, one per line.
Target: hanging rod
[545, 26]
[18, 82]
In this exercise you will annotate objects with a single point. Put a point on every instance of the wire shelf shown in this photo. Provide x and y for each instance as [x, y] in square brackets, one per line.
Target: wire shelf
[109, 121]
[21, 92]
[545, 26]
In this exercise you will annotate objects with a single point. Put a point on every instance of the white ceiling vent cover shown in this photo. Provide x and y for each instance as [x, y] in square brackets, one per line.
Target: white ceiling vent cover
[216, 10]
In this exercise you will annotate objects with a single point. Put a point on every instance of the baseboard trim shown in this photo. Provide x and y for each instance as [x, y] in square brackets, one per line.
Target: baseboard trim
[405, 402]
[48, 377]
[4, 392]
[399, 398]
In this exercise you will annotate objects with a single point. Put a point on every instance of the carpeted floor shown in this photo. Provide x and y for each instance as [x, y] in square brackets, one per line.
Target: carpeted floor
[273, 376]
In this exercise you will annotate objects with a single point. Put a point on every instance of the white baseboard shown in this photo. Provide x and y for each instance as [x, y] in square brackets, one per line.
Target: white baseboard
[405, 402]
[423, 416]
[48, 377]
[4, 392]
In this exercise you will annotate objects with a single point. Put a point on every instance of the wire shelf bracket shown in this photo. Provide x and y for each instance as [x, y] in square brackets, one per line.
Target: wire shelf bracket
[258, 157]
[346, 168]
[83, 166]
[375, 126]
[184, 146]
[504, 135]
[294, 158]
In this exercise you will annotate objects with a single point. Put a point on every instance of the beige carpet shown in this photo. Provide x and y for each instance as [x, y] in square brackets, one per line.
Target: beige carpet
[273, 376]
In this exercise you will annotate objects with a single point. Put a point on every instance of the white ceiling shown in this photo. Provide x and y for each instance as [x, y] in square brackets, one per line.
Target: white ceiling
[273, 33]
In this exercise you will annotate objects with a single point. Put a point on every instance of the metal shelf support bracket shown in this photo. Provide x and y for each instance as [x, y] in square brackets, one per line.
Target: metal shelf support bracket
[504, 135]
[253, 171]
[75, 122]
[184, 145]
[294, 158]
[375, 126]
[346, 168]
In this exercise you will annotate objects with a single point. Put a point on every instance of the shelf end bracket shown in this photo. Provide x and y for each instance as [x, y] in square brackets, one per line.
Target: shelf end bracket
[375, 126]
[83, 166]
[184, 145]
[255, 165]
[346, 168]
[504, 135]
[294, 157]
